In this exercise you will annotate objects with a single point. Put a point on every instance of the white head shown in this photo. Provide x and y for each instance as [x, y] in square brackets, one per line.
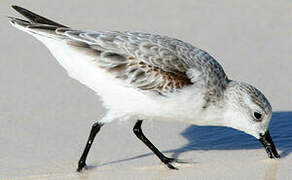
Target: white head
[248, 110]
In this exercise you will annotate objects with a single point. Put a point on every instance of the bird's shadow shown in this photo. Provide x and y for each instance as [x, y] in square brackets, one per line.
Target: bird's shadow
[224, 138]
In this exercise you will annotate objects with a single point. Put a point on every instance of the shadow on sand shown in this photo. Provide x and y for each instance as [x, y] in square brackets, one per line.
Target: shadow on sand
[224, 138]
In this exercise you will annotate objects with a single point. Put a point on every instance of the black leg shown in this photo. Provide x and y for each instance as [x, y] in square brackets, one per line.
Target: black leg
[139, 133]
[94, 130]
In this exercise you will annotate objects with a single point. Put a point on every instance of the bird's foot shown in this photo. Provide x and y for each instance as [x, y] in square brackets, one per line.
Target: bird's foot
[168, 162]
[81, 165]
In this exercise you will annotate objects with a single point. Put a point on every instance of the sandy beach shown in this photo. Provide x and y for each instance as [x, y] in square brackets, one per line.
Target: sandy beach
[45, 116]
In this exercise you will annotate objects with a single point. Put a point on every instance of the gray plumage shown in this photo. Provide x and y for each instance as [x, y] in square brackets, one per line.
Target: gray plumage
[152, 62]
[145, 61]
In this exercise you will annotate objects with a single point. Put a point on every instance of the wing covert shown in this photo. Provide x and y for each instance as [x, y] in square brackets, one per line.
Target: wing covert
[153, 62]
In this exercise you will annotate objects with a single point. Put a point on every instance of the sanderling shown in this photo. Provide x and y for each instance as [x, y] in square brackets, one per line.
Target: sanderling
[142, 76]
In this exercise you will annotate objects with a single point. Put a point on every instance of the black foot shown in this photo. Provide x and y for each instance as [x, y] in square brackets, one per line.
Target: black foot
[81, 166]
[167, 161]
[94, 130]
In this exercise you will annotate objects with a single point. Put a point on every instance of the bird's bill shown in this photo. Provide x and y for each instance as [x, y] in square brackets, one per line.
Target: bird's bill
[268, 143]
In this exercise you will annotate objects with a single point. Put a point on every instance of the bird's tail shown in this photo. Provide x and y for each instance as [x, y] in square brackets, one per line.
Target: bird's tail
[34, 18]
[35, 24]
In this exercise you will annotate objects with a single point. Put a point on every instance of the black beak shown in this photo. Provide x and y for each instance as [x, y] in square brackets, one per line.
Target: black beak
[268, 143]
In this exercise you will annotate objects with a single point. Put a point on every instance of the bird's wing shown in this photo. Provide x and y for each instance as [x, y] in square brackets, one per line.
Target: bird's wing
[153, 62]
[145, 61]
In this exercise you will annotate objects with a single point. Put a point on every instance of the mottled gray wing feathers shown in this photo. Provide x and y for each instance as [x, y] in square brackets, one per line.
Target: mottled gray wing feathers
[154, 62]
[145, 61]
[138, 59]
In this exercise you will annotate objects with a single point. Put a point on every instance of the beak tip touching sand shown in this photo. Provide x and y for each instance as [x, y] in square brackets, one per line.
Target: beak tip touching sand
[269, 145]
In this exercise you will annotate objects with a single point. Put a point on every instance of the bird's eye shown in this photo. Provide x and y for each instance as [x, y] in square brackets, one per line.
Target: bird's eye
[257, 116]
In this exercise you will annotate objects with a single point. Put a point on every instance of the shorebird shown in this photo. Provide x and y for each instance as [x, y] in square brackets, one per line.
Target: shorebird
[142, 76]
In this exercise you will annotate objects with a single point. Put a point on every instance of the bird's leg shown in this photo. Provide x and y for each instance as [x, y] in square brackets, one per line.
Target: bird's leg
[139, 133]
[94, 130]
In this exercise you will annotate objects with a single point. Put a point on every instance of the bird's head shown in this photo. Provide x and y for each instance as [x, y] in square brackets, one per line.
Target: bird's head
[249, 110]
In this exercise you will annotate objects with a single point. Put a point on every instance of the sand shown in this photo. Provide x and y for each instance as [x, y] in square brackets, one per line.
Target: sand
[45, 116]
